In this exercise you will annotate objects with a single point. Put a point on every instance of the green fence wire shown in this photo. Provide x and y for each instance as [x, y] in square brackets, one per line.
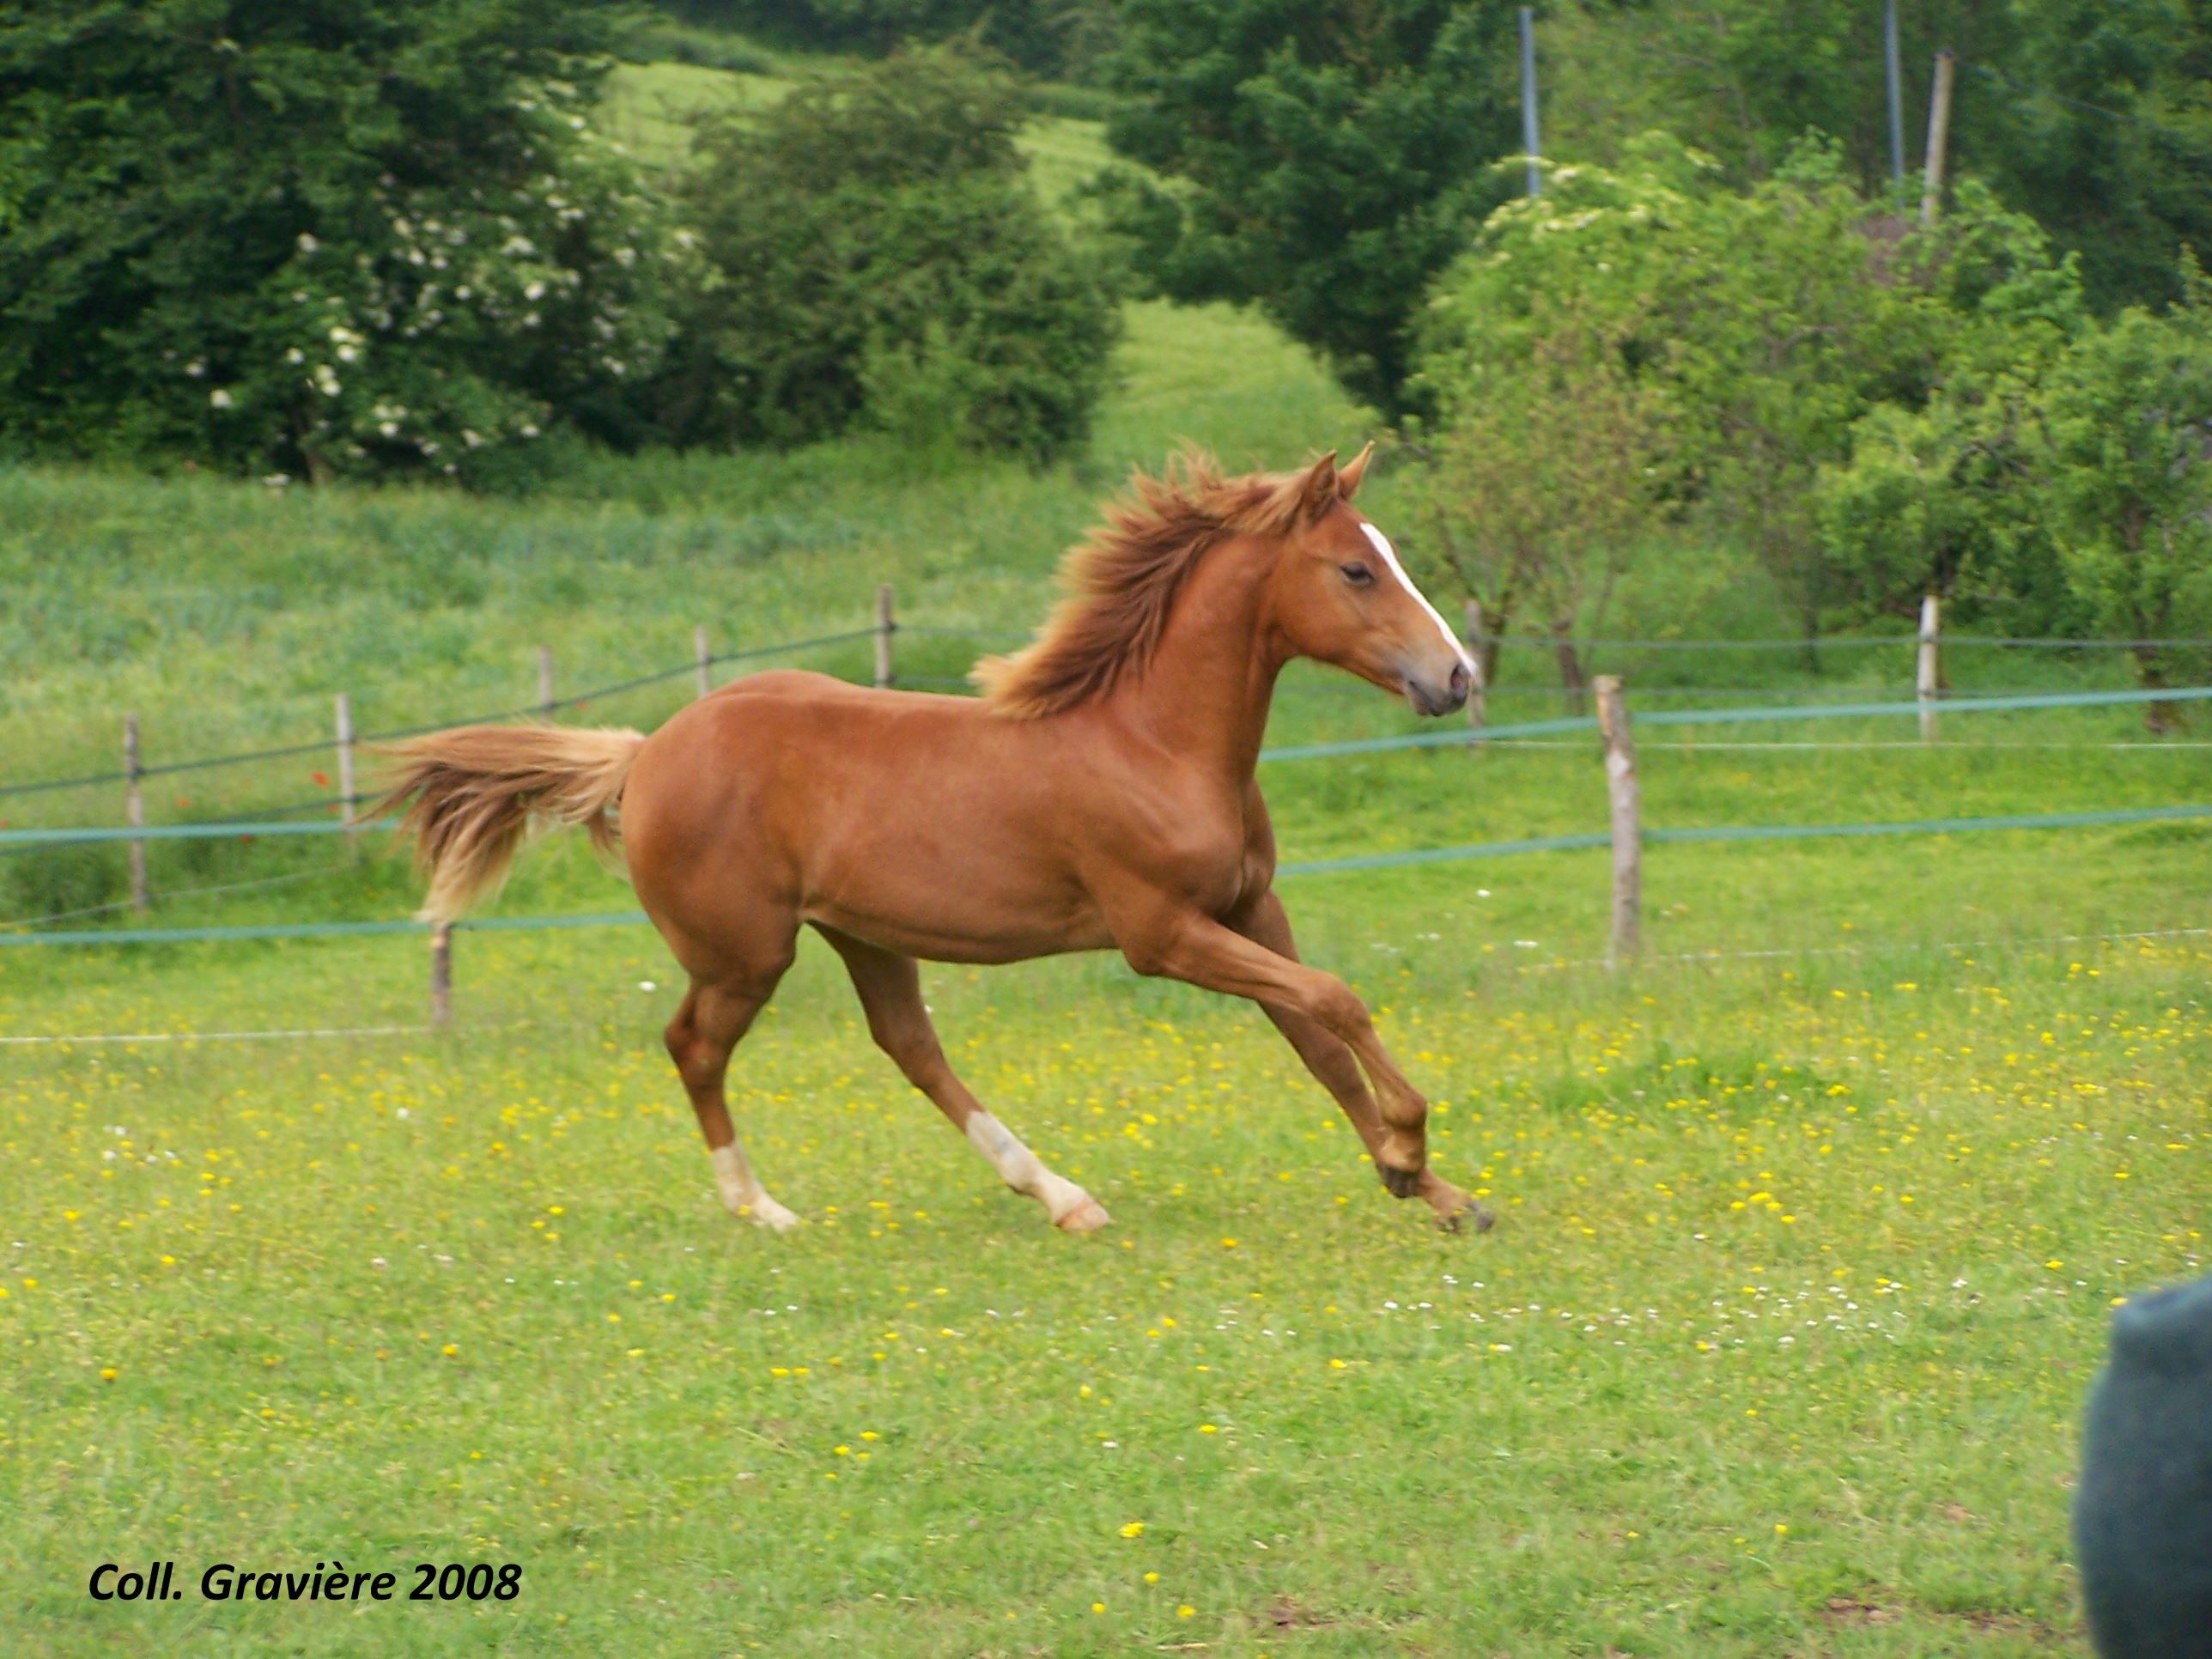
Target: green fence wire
[1306, 867]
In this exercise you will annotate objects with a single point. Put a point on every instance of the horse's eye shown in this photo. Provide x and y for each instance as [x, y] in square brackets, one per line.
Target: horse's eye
[1359, 574]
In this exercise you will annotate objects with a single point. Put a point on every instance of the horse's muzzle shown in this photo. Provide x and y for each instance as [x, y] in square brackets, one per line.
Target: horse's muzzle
[1429, 698]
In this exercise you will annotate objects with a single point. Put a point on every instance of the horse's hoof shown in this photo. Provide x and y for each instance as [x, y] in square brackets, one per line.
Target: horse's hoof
[1469, 1214]
[1401, 1183]
[1087, 1217]
[765, 1212]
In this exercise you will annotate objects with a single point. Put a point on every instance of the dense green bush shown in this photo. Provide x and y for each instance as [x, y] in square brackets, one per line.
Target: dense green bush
[1327, 161]
[314, 237]
[1811, 354]
[875, 256]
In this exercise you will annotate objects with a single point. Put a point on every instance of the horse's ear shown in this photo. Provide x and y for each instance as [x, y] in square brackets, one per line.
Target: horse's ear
[1348, 477]
[1317, 492]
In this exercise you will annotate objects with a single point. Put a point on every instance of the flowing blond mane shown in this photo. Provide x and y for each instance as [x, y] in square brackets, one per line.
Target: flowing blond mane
[1120, 583]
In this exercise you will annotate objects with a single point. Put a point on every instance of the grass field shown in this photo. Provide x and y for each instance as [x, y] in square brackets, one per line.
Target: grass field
[1809, 1227]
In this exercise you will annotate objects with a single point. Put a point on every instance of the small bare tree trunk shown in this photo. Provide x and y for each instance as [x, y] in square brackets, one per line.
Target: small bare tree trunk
[1570, 671]
[1477, 649]
[2159, 717]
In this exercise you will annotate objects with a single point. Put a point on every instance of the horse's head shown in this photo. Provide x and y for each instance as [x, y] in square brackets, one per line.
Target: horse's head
[1340, 596]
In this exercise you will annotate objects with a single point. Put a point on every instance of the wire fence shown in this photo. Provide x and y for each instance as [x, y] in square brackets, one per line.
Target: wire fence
[986, 634]
[1299, 868]
[549, 705]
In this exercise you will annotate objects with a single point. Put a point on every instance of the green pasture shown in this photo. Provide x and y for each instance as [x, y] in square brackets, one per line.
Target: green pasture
[1778, 1345]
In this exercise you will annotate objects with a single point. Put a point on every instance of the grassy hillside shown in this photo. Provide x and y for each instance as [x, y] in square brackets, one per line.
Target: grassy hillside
[648, 109]
[229, 614]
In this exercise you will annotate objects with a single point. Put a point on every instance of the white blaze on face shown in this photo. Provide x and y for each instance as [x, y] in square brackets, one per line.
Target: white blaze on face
[1021, 1169]
[1382, 544]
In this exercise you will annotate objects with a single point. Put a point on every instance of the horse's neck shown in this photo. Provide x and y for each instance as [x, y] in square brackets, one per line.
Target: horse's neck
[1206, 692]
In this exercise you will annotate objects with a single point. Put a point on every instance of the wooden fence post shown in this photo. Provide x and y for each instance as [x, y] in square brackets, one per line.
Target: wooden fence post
[704, 658]
[441, 973]
[1476, 684]
[133, 810]
[348, 802]
[1627, 827]
[1928, 670]
[884, 629]
[545, 681]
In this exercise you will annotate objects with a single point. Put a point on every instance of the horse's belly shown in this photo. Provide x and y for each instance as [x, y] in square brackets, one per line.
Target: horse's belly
[975, 914]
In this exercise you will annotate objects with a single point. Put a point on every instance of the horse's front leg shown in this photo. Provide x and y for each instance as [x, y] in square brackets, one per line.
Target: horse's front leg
[1330, 1061]
[1179, 942]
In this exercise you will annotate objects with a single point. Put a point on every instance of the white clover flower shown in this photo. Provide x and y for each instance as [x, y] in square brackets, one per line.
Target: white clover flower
[296, 355]
[307, 243]
[534, 291]
[520, 246]
[472, 440]
[219, 398]
[196, 367]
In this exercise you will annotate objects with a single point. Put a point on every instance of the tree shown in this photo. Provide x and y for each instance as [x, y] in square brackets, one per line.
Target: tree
[2127, 467]
[1537, 490]
[1325, 161]
[1942, 497]
[875, 254]
[2090, 117]
[1773, 319]
[1759, 313]
[373, 237]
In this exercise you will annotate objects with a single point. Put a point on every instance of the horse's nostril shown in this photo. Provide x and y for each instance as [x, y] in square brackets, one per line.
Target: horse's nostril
[1459, 679]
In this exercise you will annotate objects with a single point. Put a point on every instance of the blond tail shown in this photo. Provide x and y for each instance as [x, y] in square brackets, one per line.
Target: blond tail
[473, 793]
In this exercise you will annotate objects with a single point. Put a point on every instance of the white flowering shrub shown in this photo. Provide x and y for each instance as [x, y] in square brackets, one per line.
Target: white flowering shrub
[374, 239]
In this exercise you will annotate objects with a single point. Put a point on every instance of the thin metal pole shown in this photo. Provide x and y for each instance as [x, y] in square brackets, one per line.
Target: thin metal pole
[441, 973]
[1530, 144]
[1939, 137]
[1928, 672]
[1624, 796]
[133, 810]
[347, 801]
[545, 681]
[1896, 79]
[884, 629]
[704, 658]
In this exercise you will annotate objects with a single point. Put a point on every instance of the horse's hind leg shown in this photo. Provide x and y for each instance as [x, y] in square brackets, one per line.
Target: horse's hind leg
[890, 989]
[715, 1014]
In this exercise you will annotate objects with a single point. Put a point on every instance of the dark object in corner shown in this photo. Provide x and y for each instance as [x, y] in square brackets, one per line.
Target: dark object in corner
[2142, 1518]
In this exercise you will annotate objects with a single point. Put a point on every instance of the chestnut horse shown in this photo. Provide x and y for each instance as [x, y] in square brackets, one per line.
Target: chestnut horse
[1099, 794]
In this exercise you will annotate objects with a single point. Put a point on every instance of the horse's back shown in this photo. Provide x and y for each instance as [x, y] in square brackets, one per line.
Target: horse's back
[925, 822]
